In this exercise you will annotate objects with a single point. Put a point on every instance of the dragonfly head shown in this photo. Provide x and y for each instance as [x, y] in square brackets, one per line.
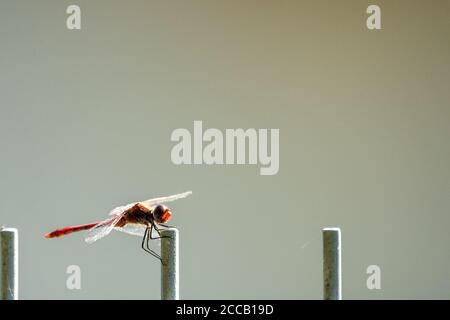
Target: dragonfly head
[161, 213]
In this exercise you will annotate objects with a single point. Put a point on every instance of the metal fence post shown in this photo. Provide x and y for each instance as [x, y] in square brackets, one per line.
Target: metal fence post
[9, 243]
[332, 264]
[170, 264]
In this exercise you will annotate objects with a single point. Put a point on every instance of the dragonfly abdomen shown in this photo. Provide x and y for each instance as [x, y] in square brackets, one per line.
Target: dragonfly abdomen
[62, 232]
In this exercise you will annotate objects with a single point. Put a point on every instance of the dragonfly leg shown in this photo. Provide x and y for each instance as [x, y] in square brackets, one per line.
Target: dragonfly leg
[147, 247]
[159, 233]
[166, 225]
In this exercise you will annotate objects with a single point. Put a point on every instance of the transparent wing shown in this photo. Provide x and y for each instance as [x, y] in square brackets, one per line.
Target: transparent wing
[102, 229]
[119, 210]
[139, 230]
[133, 229]
[152, 202]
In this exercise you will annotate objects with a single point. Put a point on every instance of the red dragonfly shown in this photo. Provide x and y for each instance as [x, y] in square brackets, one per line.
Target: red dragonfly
[137, 218]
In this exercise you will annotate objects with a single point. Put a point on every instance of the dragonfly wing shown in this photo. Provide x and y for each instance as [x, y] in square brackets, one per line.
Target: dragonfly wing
[133, 229]
[139, 230]
[152, 202]
[102, 229]
[119, 210]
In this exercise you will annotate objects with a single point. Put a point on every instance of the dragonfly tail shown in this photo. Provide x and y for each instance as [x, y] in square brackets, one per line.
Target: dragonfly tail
[64, 231]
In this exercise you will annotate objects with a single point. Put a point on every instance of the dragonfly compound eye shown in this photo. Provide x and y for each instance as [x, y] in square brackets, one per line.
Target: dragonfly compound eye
[161, 213]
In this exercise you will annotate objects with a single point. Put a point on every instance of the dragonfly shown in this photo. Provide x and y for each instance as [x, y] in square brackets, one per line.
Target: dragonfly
[137, 218]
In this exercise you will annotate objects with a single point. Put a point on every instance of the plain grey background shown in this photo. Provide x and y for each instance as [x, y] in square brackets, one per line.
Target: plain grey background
[86, 118]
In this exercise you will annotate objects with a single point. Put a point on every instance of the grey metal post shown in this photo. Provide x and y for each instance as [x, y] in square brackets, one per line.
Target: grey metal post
[9, 243]
[170, 265]
[332, 264]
